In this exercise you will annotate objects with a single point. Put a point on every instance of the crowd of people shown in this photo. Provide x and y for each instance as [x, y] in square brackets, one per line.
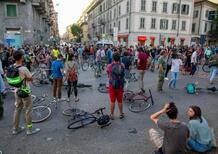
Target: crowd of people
[64, 62]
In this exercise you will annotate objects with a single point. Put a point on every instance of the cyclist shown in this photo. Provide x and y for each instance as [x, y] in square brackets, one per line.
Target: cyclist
[20, 102]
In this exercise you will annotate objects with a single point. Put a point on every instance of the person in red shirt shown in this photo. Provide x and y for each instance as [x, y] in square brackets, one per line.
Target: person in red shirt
[142, 66]
[115, 72]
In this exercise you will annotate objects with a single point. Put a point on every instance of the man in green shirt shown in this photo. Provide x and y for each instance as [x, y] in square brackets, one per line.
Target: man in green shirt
[162, 65]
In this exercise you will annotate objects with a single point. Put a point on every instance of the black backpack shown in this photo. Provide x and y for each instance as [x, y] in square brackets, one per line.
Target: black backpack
[117, 76]
[13, 77]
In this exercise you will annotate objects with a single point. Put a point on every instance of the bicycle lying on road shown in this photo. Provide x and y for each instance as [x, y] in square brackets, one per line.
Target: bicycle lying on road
[42, 112]
[81, 118]
[139, 102]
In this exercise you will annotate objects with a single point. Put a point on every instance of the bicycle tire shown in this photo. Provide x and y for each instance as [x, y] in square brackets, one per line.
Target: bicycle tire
[206, 68]
[40, 113]
[139, 106]
[73, 111]
[85, 66]
[103, 89]
[82, 122]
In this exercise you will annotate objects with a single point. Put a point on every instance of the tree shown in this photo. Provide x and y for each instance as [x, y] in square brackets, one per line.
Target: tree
[77, 32]
[214, 32]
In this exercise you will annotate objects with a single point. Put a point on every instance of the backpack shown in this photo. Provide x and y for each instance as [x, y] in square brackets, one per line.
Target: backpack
[191, 88]
[72, 75]
[117, 76]
[13, 77]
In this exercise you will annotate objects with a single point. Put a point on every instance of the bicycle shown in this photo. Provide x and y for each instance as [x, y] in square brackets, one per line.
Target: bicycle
[40, 112]
[138, 101]
[83, 119]
[102, 88]
[40, 77]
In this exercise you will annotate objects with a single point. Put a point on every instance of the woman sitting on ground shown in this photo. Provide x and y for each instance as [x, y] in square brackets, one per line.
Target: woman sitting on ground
[200, 139]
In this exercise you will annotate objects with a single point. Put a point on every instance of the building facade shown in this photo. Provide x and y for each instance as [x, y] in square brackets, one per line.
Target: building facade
[27, 22]
[202, 24]
[132, 22]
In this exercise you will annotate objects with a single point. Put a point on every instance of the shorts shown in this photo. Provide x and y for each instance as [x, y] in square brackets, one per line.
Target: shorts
[115, 95]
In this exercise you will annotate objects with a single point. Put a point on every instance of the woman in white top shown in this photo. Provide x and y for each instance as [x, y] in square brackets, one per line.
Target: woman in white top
[176, 64]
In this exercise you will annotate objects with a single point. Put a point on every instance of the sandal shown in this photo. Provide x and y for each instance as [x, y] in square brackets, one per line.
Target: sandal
[122, 116]
[111, 117]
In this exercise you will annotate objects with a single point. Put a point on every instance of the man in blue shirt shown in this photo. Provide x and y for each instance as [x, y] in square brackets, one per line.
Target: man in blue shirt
[57, 72]
[80, 53]
[109, 55]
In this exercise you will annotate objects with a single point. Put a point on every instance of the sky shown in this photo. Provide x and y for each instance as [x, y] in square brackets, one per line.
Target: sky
[69, 12]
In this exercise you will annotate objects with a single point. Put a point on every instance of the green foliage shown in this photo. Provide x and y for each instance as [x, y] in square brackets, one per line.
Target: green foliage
[76, 31]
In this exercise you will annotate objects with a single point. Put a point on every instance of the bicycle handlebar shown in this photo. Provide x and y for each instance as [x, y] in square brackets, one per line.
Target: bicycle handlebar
[100, 110]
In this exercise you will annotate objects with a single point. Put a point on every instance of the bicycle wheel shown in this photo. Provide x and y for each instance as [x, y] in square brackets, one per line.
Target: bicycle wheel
[85, 66]
[103, 89]
[40, 113]
[137, 106]
[79, 123]
[80, 85]
[206, 68]
[73, 111]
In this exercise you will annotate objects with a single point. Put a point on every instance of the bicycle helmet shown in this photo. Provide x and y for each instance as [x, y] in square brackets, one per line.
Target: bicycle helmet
[103, 120]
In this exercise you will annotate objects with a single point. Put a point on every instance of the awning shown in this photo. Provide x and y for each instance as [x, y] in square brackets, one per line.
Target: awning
[142, 38]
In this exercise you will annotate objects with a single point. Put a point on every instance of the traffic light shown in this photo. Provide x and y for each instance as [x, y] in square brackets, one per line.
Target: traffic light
[212, 15]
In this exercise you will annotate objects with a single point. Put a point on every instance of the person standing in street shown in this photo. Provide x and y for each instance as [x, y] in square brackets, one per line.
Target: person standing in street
[193, 63]
[213, 63]
[57, 73]
[162, 65]
[142, 66]
[21, 102]
[175, 68]
[115, 72]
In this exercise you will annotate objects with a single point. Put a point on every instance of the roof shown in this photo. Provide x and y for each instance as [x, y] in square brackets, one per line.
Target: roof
[211, 2]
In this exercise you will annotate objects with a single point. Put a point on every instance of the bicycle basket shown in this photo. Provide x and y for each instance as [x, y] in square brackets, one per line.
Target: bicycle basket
[103, 120]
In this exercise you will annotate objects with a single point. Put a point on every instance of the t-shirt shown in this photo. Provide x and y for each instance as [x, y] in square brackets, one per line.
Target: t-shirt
[57, 65]
[176, 63]
[80, 51]
[194, 57]
[126, 61]
[200, 132]
[162, 61]
[175, 137]
[142, 58]
[55, 53]
[24, 73]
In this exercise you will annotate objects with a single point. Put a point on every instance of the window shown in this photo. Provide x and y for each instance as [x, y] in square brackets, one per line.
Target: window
[119, 25]
[205, 28]
[165, 7]
[127, 23]
[173, 24]
[115, 12]
[143, 5]
[154, 6]
[153, 23]
[207, 14]
[185, 9]
[142, 23]
[110, 15]
[175, 9]
[11, 10]
[114, 24]
[163, 24]
[183, 25]
[196, 14]
[127, 7]
[100, 8]
[193, 27]
[119, 10]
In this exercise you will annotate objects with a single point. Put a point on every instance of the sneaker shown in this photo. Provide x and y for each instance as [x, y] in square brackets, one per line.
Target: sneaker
[68, 100]
[54, 99]
[31, 131]
[17, 131]
[61, 99]
[166, 78]
[122, 116]
[77, 99]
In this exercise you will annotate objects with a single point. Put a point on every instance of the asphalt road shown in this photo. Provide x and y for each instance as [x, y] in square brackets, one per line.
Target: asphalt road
[55, 138]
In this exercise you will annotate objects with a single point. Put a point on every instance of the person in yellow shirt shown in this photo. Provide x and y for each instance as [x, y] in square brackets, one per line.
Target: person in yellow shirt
[55, 52]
